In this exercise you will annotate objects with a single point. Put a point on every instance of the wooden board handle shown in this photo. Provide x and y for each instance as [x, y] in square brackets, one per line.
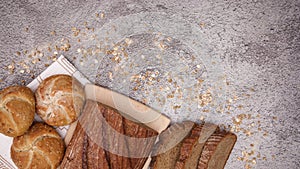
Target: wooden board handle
[128, 107]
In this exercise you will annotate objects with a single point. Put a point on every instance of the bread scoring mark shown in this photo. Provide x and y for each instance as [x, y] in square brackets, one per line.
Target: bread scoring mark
[31, 145]
[30, 159]
[45, 156]
[68, 118]
[11, 118]
[19, 98]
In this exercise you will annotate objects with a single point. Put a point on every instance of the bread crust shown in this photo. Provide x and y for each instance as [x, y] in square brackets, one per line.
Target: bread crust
[86, 148]
[210, 149]
[17, 108]
[167, 150]
[138, 149]
[192, 146]
[40, 147]
[187, 147]
[117, 151]
[59, 100]
[100, 140]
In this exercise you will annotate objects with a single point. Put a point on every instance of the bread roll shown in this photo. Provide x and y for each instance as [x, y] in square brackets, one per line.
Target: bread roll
[40, 147]
[17, 108]
[59, 100]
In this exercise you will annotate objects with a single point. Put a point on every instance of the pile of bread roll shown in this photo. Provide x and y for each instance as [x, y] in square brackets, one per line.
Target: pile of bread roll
[58, 101]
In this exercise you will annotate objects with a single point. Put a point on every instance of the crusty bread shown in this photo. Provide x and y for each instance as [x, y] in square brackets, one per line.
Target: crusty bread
[217, 150]
[192, 146]
[40, 147]
[140, 140]
[166, 151]
[101, 140]
[17, 108]
[115, 143]
[59, 100]
[85, 148]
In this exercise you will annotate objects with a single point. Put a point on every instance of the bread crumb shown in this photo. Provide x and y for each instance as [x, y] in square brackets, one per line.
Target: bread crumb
[102, 15]
[52, 33]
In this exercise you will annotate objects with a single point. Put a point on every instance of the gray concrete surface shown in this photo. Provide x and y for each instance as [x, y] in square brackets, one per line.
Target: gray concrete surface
[234, 63]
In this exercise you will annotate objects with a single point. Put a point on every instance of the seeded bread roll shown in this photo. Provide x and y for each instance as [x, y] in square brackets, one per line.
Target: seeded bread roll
[17, 107]
[59, 100]
[40, 147]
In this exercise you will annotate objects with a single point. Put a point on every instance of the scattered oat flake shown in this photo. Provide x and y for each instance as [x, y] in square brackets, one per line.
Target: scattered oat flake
[176, 107]
[102, 15]
[75, 31]
[201, 24]
[201, 118]
[205, 99]
[128, 41]
[110, 75]
[162, 45]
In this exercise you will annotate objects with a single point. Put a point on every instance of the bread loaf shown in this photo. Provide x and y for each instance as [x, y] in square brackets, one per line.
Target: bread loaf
[217, 150]
[40, 147]
[17, 108]
[192, 146]
[140, 140]
[59, 100]
[167, 150]
[83, 151]
[115, 143]
[101, 138]
[189, 148]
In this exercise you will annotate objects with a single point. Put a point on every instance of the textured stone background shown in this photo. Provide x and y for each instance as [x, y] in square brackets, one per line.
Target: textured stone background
[247, 53]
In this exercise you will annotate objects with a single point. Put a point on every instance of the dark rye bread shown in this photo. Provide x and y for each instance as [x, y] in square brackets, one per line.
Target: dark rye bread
[217, 150]
[140, 140]
[167, 149]
[192, 146]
